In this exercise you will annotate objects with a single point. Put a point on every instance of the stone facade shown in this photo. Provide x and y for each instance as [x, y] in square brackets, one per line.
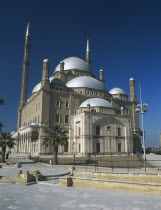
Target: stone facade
[108, 124]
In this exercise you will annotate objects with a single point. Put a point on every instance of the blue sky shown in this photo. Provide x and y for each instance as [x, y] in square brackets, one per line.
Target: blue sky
[125, 40]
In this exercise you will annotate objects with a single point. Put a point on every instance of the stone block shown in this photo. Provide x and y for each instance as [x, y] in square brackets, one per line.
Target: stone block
[71, 170]
[18, 165]
[38, 176]
[27, 177]
[66, 181]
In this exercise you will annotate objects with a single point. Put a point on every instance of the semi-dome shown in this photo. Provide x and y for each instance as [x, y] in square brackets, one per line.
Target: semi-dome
[117, 91]
[85, 82]
[52, 80]
[74, 63]
[95, 102]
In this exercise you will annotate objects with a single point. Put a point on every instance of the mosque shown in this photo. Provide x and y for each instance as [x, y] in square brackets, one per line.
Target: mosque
[97, 121]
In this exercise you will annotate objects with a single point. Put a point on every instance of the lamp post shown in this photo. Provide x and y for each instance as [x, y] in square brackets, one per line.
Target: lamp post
[142, 108]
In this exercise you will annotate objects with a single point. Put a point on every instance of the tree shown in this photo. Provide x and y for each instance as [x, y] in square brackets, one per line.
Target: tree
[5, 141]
[1, 102]
[55, 135]
[1, 125]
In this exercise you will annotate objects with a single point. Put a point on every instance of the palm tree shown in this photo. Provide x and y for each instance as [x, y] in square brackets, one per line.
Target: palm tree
[55, 135]
[1, 125]
[1, 102]
[5, 141]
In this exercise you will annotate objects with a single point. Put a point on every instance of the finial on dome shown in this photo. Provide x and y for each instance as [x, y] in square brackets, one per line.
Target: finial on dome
[28, 30]
[73, 53]
[116, 85]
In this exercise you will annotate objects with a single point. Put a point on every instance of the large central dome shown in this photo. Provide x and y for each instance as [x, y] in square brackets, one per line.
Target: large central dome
[74, 63]
[85, 82]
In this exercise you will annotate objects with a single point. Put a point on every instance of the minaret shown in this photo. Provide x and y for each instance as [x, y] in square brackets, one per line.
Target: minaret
[88, 60]
[132, 91]
[62, 66]
[101, 75]
[45, 74]
[25, 66]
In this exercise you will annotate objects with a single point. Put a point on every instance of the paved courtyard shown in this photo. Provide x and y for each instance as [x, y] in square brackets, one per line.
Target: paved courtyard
[49, 195]
[37, 197]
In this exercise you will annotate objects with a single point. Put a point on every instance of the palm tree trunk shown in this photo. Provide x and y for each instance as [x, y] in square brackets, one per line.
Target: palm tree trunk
[55, 158]
[3, 154]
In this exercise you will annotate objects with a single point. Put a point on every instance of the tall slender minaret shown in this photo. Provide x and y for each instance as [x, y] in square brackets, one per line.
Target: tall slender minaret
[132, 91]
[25, 66]
[88, 60]
[45, 74]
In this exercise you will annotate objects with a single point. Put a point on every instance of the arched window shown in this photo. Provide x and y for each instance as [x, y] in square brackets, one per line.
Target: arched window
[119, 131]
[97, 131]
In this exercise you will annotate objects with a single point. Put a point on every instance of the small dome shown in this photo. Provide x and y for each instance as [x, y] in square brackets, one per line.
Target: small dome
[46, 60]
[85, 81]
[52, 80]
[131, 79]
[36, 88]
[34, 124]
[22, 128]
[56, 80]
[13, 135]
[74, 63]
[95, 102]
[117, 91]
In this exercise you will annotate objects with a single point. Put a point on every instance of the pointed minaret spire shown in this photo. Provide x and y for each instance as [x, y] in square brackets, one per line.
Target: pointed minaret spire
[87, 50]
[88, 60]
[28, 30]
[25, 66]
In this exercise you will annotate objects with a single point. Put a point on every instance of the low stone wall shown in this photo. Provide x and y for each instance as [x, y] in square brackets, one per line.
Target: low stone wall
[5, 165]
[151, 188]
[134, 182]
[129, 176]
[22, 178]
[139, 177]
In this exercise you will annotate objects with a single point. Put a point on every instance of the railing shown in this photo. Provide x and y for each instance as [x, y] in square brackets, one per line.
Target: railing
[86, 163]
[124, 165]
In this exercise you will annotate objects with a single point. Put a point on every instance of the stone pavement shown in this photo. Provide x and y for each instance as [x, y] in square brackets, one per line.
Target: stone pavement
[155, 160]
[45, 170]
[41, 197]
[47, 196]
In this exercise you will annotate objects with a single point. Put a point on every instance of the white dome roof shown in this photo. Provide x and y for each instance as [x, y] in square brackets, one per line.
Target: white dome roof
[85, 81]
[132, 79]
[13, 135]
[74, 63]
[96, 102]
[117, 91]
[52, 80]
[34, 124]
